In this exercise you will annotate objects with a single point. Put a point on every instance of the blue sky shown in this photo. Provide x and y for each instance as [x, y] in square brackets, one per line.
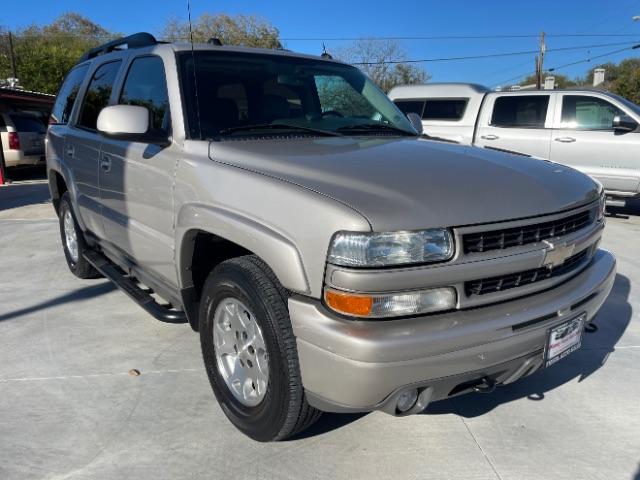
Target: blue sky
[349, 18]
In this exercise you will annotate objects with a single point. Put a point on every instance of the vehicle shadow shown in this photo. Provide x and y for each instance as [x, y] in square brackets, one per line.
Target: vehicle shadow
[19, 195]
[612, 321]
[327, 423]
[85, 293]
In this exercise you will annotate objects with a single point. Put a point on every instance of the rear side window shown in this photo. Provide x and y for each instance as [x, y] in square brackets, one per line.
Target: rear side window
[67, 95]
[26, 123]
[98, 93]
[588, 113]
[410, 106]
[445, 109]
[520, 111]
[146, 86]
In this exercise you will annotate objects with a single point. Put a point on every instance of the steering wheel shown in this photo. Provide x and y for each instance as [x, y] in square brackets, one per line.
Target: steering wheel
[332, 113]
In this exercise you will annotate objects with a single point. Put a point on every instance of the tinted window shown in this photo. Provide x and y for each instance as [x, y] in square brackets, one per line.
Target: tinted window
[589, 113]
[445, 109]
[146, 86]
[98, 93]
[410, 106]
[339, 98]
[244, 95]
[67, 95]
[27, 123]
[527, 111]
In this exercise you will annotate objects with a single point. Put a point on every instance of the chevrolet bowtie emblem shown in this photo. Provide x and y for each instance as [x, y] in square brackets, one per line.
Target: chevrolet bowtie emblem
[556, 254]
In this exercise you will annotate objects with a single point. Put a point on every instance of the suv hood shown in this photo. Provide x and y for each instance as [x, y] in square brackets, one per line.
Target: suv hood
[409, 184]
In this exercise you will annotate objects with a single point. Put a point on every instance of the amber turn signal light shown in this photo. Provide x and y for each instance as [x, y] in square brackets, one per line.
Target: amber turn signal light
[349, 304]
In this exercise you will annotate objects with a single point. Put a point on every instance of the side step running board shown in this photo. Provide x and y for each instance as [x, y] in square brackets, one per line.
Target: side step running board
[141, 297]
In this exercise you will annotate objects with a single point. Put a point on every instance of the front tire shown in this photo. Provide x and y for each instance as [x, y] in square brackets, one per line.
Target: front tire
[73, 242]
[250, 352]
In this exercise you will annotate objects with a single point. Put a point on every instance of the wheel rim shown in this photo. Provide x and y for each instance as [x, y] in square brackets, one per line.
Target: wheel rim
[240, 351]
[70, 238]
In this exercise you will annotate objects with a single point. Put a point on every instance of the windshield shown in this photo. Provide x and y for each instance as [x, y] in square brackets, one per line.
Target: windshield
[627, 103]
[249, 94]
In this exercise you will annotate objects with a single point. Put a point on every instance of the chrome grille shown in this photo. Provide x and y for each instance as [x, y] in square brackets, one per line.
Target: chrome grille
[513, 280]
[512, 237]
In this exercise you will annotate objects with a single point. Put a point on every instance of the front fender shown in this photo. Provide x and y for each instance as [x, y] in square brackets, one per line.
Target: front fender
[278, 251]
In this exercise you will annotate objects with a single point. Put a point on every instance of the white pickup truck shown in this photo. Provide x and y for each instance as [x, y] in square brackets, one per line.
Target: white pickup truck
[591, 130]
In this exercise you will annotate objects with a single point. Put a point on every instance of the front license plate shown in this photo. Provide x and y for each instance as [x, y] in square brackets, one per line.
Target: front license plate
[564, 339]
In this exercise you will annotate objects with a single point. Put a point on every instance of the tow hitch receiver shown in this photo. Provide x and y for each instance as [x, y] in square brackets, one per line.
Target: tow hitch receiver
[486, 385]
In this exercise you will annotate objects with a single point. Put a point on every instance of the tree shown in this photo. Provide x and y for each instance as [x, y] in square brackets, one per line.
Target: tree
[623, 78]
[44, 54]
[374, 56]
[562, 81]
[247, 30]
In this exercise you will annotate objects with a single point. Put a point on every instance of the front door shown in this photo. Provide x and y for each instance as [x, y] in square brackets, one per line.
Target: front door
[136, 179]
[585, 139]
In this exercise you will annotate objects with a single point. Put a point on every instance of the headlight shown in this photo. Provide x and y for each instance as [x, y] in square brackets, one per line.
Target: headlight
[391, 304]
[355, 249]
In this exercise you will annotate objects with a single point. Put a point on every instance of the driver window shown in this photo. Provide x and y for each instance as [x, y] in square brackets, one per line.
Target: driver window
[588, 113]
[145, 86]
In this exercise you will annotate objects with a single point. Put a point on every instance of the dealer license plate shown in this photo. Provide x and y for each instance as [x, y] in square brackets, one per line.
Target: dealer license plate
[564, 339]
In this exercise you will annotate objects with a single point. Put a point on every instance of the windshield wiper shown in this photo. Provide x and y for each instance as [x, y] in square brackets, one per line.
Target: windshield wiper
[373, 127]
[278, 126]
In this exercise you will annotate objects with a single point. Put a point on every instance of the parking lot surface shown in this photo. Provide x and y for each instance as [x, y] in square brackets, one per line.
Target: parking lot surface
[69, 409]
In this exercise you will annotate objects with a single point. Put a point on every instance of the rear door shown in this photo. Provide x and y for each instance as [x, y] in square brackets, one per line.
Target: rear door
[584, 139]
[517, 123]
[62, 111]
[136, 180]
[82, 145]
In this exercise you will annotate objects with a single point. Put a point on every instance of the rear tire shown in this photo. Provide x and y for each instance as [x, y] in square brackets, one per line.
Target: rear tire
[280, 410]
[73, 242]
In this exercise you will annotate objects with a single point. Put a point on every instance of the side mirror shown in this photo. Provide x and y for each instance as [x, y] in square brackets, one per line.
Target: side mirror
[128, 122]
[624, 124]
[416, 122]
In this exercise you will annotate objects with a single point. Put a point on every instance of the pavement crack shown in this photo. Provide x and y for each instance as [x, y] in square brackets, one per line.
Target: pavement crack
[493, 467]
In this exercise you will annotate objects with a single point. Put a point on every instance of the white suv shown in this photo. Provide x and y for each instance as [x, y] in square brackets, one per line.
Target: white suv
[22, 135]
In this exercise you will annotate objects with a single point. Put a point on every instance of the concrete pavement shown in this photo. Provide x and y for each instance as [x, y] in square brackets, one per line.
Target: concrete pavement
[70, 410]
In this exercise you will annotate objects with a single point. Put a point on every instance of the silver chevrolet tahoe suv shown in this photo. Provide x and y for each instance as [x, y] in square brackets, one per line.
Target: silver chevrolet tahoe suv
[330, 257]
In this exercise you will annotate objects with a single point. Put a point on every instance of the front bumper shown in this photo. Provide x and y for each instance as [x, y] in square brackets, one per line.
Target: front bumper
[351, 365]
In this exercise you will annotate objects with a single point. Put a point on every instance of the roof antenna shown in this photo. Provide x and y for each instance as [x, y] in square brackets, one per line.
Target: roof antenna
[325, 54]
[193, 59]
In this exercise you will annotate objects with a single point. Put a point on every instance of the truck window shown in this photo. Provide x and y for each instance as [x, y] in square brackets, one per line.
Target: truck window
[445, 109]
[67, 95]
[588, 113]
[410, 106]
[146, 86]
[98, 93]
[27, 123]
[520, 111]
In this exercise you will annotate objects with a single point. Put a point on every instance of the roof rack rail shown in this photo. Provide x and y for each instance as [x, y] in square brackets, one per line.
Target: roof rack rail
[137, 40]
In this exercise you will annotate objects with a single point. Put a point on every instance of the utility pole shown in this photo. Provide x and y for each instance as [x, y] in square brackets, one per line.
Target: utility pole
[540, 62]
[13, 56]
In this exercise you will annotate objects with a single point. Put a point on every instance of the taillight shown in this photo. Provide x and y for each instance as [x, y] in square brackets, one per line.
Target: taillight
[14, 141]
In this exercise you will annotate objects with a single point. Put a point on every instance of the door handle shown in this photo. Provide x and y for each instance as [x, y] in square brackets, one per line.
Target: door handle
[105, 163]
[490, 137]
[565, 139]
[69, 151]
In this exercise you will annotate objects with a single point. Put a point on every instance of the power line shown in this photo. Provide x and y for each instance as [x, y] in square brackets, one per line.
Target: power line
[459, 37]
[490, 55]
[570, 64]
